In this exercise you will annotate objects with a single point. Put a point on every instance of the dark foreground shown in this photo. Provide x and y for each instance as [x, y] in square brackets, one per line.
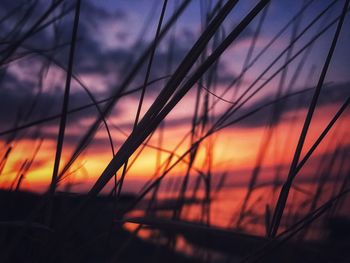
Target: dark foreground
[29, 233]
[91, 237]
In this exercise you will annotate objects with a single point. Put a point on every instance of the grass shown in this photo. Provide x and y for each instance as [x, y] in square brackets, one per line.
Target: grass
[285, 189]
[174, 214]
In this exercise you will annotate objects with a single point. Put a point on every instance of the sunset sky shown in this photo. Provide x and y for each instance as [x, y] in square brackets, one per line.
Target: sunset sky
[112, 35]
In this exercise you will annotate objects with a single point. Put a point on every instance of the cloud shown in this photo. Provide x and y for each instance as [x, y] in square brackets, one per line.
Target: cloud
[334, 94]
[331, 95]
[17, 100]
[94, 58]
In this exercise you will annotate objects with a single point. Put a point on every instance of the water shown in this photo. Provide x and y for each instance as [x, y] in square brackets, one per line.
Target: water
[226, 205]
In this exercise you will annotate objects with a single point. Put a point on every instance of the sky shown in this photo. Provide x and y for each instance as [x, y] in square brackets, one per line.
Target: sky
[111, 37]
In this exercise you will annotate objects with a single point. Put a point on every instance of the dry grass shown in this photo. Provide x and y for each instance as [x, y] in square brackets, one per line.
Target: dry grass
[92, 227]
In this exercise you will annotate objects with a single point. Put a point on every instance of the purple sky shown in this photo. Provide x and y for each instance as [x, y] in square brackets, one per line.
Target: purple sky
[108, 34]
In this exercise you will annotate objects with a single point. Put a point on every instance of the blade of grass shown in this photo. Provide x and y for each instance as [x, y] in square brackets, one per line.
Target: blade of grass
[65, 103]
[286, 187]
[131, 144]
[143, 91]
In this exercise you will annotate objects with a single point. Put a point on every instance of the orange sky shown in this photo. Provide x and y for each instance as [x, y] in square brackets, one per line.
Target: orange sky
[234, 151]
[101, 65]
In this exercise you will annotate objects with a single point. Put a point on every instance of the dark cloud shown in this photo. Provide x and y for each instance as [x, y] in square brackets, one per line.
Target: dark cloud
[92, 58]
[94, 14]
[331, 95]
[18, 100]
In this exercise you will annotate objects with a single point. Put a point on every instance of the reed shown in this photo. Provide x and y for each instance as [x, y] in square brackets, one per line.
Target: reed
[289, 205]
